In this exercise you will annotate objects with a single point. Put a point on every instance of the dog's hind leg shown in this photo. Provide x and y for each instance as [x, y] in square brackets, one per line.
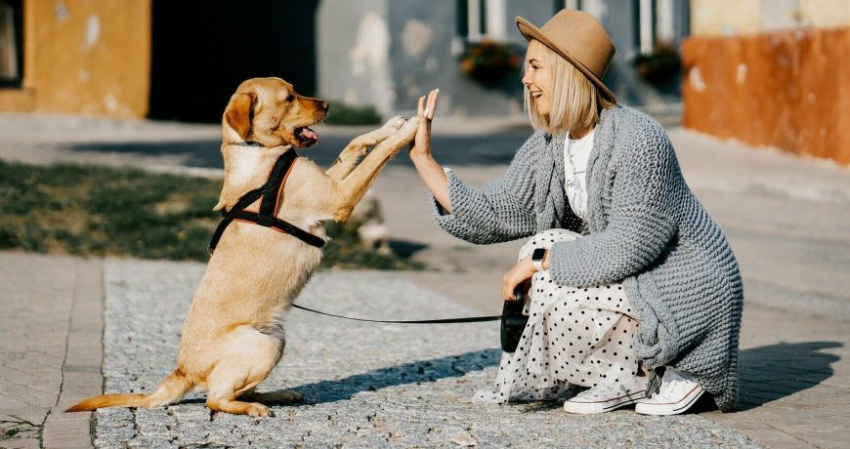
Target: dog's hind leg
[248, 358]
[225, 401]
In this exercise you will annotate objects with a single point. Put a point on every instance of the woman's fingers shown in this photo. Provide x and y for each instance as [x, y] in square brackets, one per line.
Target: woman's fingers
[425, 111]
[508, 285]
[431, 108]
[423, 123]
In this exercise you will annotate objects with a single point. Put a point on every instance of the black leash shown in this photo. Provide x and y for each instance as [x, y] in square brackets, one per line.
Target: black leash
[269, 192]
[471, 319]
[513, 322]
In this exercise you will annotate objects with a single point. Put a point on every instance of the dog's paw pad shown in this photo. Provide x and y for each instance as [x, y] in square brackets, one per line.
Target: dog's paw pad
[259, 411]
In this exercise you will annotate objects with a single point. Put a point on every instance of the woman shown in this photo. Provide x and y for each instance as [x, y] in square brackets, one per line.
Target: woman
[629, 275]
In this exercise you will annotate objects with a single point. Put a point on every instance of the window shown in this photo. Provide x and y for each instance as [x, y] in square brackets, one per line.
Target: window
[567, 4]
[659, 21]
[11, 43]
[480, 19]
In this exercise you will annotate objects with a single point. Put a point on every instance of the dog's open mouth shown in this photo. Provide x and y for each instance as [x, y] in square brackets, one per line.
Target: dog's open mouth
[306, 136]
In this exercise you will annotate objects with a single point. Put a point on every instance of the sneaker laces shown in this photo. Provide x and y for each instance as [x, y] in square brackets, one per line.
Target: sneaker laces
[673, 378]
[653, 385]
[672, 382]
[608, 389]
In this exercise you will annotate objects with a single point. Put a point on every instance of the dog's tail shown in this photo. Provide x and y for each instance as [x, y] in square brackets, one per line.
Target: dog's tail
[171, 389]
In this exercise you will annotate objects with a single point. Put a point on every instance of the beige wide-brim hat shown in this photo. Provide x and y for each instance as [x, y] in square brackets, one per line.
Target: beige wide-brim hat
[580, 39]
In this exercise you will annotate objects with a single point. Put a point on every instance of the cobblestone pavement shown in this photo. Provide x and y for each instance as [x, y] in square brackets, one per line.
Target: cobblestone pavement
[365, 385]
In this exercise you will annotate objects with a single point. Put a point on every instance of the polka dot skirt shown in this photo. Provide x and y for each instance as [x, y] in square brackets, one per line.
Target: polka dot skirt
[579, 336]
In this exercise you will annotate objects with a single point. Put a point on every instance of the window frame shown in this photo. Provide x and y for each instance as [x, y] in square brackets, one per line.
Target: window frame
[18, 24]
[478, 20]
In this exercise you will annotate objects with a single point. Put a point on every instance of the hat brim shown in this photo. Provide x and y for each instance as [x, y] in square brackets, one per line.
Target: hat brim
[529, 31]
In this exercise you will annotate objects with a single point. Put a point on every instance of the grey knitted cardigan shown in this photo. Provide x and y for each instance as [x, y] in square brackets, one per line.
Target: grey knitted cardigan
[645, 228]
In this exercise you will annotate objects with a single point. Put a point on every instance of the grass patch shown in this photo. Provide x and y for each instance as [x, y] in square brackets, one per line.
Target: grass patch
[100, 211]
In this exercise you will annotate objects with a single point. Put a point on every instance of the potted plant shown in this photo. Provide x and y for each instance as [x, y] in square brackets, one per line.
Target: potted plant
[661, 66]
[488, 61]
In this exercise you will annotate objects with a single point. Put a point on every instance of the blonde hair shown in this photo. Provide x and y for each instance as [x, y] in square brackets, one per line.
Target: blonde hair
[575, 100]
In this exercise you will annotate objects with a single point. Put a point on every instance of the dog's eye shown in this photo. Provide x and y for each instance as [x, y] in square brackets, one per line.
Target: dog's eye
[289, 98]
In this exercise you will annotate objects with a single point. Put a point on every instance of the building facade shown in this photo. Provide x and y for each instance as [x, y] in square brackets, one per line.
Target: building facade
[182, 60]
[75, 56]
[387, 53]
[771, 73]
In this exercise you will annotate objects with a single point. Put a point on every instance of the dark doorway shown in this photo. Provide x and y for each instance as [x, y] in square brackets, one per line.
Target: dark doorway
[202, 51]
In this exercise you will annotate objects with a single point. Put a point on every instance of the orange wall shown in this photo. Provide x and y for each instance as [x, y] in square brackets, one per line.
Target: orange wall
[84, 56]
[785, 89]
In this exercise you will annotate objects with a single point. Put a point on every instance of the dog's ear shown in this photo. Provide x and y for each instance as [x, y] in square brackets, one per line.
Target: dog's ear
[240, 112]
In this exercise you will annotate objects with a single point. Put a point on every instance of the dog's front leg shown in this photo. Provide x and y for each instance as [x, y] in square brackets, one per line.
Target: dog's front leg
[359, 147]
[351, 189]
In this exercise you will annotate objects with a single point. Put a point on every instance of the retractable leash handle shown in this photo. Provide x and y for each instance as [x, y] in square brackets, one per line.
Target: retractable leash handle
[513, 320]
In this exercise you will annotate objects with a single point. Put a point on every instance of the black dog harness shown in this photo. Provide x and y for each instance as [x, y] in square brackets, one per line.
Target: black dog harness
[269, 192]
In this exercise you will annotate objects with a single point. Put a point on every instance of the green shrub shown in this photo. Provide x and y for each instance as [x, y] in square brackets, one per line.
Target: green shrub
[342, 114]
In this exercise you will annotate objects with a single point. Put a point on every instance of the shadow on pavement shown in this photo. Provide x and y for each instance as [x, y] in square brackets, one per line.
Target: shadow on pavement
[405, 248]
[489, 149]
[407, 373]
[768, 373]
[196, 153]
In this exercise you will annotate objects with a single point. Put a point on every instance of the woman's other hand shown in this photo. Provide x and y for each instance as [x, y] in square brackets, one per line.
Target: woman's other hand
[520, 273]
[420, 149]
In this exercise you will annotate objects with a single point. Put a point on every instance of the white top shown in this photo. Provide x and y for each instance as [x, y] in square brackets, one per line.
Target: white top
[576, 155]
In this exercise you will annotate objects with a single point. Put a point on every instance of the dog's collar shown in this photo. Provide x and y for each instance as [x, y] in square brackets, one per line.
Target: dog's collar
[269, 193]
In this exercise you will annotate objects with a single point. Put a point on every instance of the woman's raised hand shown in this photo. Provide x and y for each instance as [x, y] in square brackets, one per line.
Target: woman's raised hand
[420, 153]
[421, 146]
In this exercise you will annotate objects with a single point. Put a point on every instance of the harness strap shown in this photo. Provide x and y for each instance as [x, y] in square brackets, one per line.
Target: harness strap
[276, 223]
[271, 190]
[270, 193]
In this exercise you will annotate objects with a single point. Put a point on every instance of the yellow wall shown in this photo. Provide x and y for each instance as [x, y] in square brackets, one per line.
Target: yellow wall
[732, 17]
[84, 56]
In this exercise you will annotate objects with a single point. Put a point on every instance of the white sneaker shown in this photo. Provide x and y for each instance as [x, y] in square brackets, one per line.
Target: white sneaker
[678, 392]
[607, 397]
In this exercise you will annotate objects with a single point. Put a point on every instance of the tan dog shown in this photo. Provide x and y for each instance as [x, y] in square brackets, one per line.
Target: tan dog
[233, 334]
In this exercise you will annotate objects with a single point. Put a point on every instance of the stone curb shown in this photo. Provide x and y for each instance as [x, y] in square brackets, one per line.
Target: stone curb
[81, 371]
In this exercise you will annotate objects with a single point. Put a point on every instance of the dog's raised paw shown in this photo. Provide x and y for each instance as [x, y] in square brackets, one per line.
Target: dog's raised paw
[396, 122]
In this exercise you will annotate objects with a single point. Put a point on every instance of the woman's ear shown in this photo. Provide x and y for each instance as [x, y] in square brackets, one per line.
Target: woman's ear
[240, 112]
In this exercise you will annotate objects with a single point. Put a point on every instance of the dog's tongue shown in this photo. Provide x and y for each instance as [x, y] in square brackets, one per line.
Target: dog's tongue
[309, 133]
